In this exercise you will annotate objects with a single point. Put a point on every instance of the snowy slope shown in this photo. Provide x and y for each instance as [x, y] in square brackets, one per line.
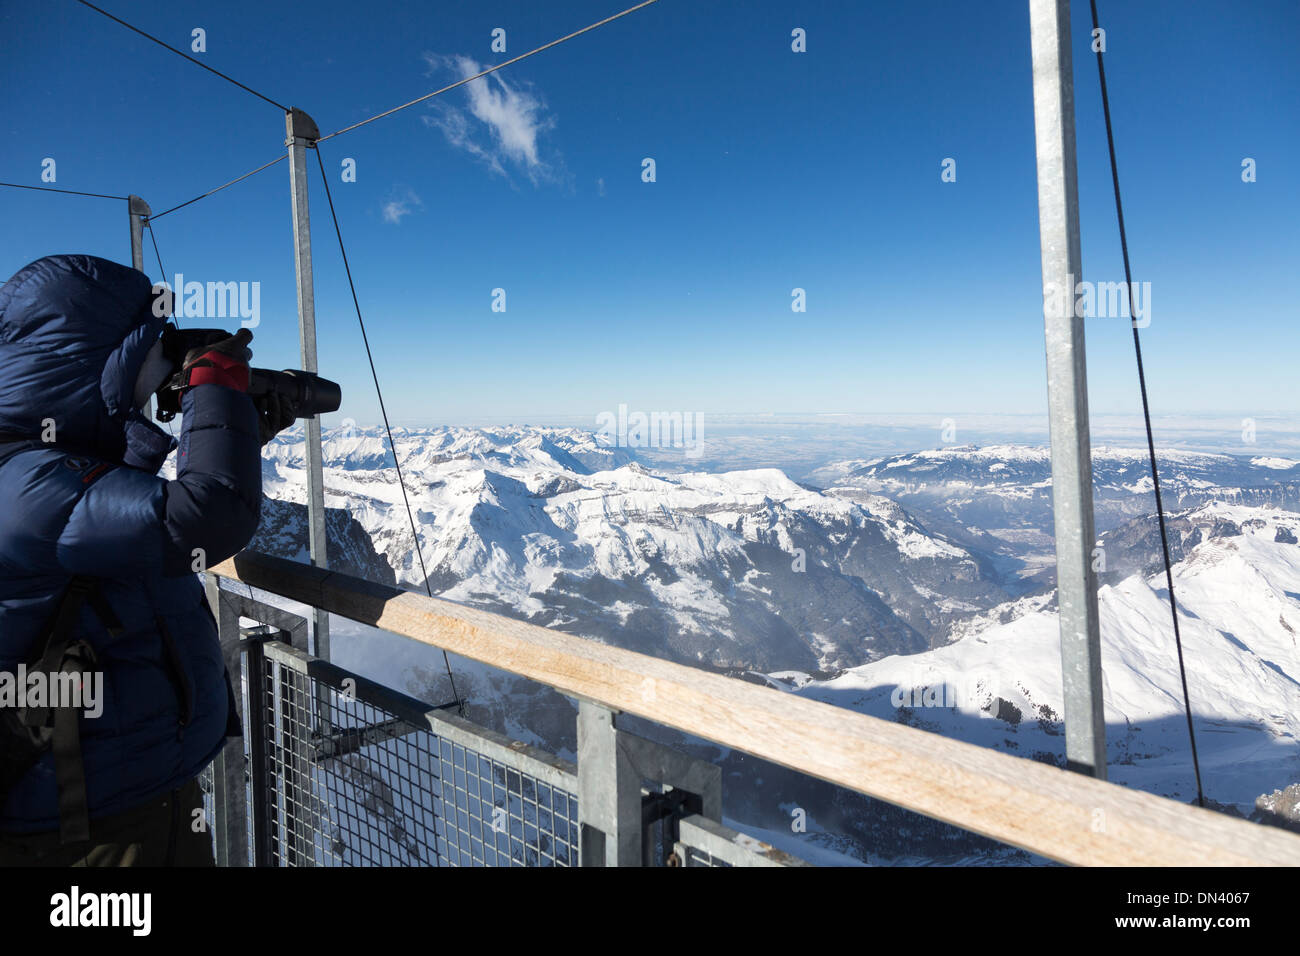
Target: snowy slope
[733, 569]
[1239, 599]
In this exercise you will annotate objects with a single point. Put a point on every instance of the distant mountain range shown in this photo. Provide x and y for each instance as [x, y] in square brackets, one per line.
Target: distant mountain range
[917, 575]
[740, 569]
[997, 500]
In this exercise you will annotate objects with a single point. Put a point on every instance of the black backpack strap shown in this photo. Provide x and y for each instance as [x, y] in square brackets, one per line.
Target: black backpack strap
[74, 809]
[64, 627]
[64, 654]
[103, 611]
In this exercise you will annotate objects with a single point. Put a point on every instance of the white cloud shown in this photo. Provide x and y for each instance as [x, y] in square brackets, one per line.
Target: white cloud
[403, 202]
[502, 125]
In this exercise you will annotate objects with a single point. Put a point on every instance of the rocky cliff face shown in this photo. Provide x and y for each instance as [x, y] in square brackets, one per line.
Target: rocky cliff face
[283, 533]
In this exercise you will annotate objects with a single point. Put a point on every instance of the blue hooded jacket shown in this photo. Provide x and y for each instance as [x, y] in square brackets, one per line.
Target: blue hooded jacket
[74, 332]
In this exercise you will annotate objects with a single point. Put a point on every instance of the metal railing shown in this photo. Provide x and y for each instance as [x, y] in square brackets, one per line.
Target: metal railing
[338, 770]
[417, 798]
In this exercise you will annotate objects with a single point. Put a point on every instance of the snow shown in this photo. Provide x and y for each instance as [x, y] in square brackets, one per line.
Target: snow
[1279, 464]
[1239, 603]
[505, 510]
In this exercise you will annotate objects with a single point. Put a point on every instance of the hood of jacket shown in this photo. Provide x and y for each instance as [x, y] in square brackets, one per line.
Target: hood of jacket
[74, 332]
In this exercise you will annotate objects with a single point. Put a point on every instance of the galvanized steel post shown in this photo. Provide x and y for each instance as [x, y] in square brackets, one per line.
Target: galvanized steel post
[609, 792]
[301, 135]
[138, 210]
[1067, 386]
[229, 793]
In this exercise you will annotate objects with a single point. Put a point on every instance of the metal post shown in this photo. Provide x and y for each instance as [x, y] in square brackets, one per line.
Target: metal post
[609, 792]
[1067, 386]
[268, 745]
[229, 794]
[139, 211]
[261, 773]
[301, 135]
[685, 786]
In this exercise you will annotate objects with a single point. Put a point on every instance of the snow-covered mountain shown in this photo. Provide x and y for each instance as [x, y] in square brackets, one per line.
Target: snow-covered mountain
[996, 500]
[283, 532]
[1018, 472]
[1238, 591]
[742, 569]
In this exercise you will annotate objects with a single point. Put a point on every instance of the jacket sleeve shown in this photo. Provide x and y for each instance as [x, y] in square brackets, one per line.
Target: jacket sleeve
[129, 522]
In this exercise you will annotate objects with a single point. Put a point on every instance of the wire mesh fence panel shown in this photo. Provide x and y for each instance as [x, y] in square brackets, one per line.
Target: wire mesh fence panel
[495, 815]
[349, 782]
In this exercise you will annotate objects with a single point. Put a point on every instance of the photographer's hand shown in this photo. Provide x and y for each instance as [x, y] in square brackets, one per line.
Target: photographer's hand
[274, 414]
[222, 363]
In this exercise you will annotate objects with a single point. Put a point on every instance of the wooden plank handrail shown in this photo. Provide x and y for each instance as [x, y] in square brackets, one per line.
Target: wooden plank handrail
[1061, 815]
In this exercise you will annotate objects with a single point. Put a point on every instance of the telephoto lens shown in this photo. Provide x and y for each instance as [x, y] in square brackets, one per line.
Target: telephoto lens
[309, 394]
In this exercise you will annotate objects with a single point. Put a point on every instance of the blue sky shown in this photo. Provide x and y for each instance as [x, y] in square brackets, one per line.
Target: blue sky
[775, 170]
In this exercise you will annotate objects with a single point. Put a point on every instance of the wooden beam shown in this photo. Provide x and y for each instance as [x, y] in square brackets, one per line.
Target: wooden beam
[1063, 816]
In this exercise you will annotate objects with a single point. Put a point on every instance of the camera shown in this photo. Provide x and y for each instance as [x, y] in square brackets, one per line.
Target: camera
[305, 393]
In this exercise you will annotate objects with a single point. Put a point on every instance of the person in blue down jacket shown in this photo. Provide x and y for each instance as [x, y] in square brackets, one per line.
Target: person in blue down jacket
[80, 354]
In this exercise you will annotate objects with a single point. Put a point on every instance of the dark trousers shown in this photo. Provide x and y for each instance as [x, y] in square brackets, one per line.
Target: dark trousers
[158, 833]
